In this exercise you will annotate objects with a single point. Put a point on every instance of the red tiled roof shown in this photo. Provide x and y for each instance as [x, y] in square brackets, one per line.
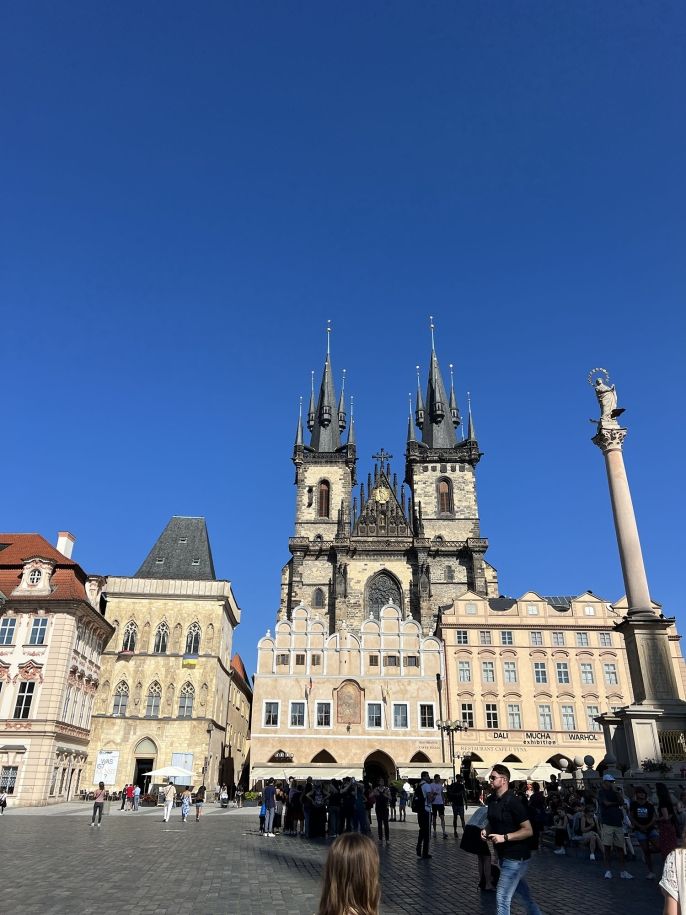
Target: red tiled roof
[238, 665]
[67, 580]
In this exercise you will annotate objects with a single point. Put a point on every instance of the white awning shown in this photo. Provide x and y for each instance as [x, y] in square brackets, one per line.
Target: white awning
[278, 772]
[414, 770]
[542, 772]
[517, 774]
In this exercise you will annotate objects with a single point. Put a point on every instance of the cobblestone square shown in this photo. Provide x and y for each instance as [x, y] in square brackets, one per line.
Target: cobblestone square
[53, 862]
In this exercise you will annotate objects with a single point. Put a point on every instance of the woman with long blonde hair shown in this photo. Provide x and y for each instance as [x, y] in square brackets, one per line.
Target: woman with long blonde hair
[351, 877]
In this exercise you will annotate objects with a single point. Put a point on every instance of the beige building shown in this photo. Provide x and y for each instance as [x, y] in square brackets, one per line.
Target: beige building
[167, 672]
[352, 702]
[52, 634]
[239, 709]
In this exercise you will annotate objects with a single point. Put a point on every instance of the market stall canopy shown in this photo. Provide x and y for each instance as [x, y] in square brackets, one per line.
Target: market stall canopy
[170, 772]
[541, 772]
[415, 770]
[324, 772]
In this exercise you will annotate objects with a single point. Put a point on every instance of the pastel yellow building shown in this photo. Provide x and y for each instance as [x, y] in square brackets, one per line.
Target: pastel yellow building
[167, 672]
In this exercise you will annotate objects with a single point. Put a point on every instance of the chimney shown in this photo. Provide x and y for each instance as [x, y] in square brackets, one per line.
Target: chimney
[65, 543]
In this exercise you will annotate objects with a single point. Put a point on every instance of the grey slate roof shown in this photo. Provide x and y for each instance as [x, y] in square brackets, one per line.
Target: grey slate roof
[184, 550]
[437, 434]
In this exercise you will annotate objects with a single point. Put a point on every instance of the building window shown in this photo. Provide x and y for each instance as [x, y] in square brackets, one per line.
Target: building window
[67, 700]
[121, 700]
[8, 778]
[568, 718]
[35, 576]
[470, 609]
[7, 627]
[532, 610]
[558, 639]
[316, 660]
[589, 610]
[323, 714]
[587, 674]
[449, 573]
[506, 637]
[514, 716]
[464, 671]
[467, 710]
[562, 669]
[373, 660]
[161, 639]
[484, 638]
[610, 675]
[318, 601]
[510, 670]
[591, 712]
[24, 699]
[545, 717]
[390, 660]
[491, 715]
[374, 715]
[300, 660]
[445, 497]
[53, 780]
[130, 637]
[536, 638]
[400, 715]
[282, 659]
[38, 630]
[540, 672]
[412, 660]
[426, 716]
[582, 640]
[605, 639]
[461, 637]
[153, 699]
[488, 671]
[297, 714]
[323, 507]
[186, 697]
[271, 714]
[193, 639]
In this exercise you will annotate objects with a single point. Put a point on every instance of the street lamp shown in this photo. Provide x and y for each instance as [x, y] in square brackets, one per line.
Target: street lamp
[449, 728]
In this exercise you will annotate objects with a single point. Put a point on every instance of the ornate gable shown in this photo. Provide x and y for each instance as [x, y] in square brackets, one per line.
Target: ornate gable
[381, 515]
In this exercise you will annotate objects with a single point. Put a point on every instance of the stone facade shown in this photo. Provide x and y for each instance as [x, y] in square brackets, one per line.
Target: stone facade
[52, 635]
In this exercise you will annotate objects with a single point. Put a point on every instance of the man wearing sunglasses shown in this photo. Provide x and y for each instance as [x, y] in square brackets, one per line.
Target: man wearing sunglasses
[509, 829]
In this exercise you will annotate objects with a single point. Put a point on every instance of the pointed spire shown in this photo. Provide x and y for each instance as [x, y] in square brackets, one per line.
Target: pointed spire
[435, 432]
[351, 427]
[419, 413]
[341, 406]
[471, 434]
[310, 411]
[325, 432]
[454, 412]
[411, 437]
[299, 430]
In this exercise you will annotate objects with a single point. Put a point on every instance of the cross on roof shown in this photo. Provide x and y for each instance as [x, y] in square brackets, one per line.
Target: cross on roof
[382, 456]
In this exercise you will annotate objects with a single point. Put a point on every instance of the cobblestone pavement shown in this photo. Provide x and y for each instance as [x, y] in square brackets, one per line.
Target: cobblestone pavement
[53, 862]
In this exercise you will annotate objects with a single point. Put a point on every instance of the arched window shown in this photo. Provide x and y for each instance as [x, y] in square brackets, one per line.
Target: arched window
[186, 697]
[193, 639]
[152, 703]
[318, 601]
[130, 637]
[121, 699]
[382, 589]
[323, 507]
[161, 639]
[445, 496]
[449, 573]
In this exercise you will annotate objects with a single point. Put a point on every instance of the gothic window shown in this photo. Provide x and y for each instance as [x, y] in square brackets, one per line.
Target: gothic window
[130, 637]
[382, 589]
[161, 639]
[121, 699]
[445, 496]
[449, 574]
[193, 639]
[186, 697]
[152, 703]
[324, 499]
[318, 599]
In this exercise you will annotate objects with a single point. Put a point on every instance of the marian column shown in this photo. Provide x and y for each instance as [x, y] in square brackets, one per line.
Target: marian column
[646, 634]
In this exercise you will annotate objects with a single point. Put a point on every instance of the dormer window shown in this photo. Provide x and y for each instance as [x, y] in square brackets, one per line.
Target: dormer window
[35, 577]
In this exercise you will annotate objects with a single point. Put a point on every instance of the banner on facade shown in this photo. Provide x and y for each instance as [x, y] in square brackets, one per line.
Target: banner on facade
[106, 767]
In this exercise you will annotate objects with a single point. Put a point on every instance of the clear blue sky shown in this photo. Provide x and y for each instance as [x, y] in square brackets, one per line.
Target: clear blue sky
[191, 190]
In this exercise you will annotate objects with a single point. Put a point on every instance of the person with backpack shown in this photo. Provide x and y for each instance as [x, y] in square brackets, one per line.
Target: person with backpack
[421, 805]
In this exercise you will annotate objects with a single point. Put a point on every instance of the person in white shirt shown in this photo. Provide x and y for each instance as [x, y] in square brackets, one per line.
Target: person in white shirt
[438, 805]
[169, 795]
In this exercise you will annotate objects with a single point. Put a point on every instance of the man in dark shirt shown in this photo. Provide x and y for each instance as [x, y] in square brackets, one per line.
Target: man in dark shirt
[643, 818]
[611, 807]
[510, 830]
[455, 796]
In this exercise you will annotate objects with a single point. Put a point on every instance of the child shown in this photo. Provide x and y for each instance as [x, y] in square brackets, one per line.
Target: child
[351, 877]
[263, 815]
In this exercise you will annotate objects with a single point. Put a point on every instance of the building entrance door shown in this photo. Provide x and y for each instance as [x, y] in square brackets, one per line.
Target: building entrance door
[143, 766]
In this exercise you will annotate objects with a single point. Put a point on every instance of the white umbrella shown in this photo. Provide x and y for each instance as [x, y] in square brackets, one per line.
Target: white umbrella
[170, 772]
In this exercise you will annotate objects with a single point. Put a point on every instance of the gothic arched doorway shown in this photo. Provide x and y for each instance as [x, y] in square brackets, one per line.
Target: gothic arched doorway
[145, 755]
[379, 765]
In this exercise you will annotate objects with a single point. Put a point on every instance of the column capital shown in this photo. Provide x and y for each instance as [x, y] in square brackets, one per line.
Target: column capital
[609, 437]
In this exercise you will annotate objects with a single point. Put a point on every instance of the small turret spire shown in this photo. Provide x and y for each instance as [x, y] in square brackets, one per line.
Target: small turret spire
[310, 411]
[454, 412]
[299, 430]
[471, 434]
[411, 437]
[341, 405]
[419, 413]
[351, 428]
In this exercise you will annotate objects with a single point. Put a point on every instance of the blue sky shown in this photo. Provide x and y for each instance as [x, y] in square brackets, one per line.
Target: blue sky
[191, 190]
